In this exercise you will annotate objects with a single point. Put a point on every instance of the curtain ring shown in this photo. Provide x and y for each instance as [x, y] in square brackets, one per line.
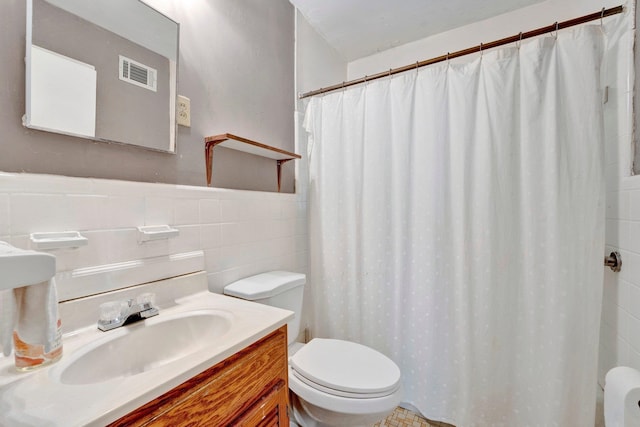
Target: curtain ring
[519, 42]
[481, 51]
[343, 85]
[602, 17]
[389, 73]
[556, 35]
[448, 58]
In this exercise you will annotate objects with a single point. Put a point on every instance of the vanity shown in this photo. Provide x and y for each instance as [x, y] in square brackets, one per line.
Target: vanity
[205, 359]
[247, 389]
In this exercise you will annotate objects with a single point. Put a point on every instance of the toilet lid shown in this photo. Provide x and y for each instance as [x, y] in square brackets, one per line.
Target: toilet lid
[346, 366]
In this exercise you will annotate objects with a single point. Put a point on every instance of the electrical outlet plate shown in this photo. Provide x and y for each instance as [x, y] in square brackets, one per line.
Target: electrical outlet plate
[184, 111]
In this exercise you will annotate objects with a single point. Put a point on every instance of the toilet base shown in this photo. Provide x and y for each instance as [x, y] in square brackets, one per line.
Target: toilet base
[309, 415]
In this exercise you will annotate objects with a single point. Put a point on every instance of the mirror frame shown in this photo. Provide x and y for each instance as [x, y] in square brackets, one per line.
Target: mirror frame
[173, 83]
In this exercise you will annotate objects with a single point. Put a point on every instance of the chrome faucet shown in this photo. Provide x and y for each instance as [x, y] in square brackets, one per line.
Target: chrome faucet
[118, 313]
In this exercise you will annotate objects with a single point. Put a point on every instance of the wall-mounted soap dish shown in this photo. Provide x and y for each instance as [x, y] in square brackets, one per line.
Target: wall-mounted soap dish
[58, 240]
[156, 232]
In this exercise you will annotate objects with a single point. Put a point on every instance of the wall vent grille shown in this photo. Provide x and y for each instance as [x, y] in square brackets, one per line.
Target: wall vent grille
[138, 74]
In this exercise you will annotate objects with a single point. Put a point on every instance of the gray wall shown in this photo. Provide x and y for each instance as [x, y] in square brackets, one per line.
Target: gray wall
[125, 112]
[236, 65]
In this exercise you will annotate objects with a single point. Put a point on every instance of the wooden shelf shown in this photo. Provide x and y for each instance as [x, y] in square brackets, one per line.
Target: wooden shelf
[238, 143]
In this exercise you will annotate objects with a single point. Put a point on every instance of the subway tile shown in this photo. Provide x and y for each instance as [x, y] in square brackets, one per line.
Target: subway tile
[634, 359]
[124, 246]
[612, 232]
[623, 350]
[43, 212]
[632, 302]
[279, 228]
[634, 205]
[159, 211]
[210, 236]
[212, 260]
[300, 243]
[301, 209]
[243, 209]
[38, 213]
[86, 212]
[230, 233]
[632, 334]
[187, 241]
[263, 231]
[217, 281]
[630, 271]
[256, 230]
[290, 210]
[623, 201]
[229, 257]
[209, 211]
[186, 211]
[273, 209]
[623, 294]
[301, 227]
[633, 236]
[125, 211]
[5, 222]
[624, 238]
[96, 252]
[44, 184]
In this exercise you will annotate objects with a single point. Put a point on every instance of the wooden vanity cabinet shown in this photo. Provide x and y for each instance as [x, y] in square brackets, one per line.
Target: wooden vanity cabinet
[247, 389]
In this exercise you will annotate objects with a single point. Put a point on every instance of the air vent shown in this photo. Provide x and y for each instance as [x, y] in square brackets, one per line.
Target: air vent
[138, 74]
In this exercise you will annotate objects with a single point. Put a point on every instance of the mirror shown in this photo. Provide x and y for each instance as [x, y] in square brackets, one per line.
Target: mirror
[102, 69]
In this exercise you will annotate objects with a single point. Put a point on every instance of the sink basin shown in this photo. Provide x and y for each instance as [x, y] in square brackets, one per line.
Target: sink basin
[143, 346]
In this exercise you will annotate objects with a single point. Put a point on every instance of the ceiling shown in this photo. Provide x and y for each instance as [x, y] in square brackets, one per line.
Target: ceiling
[358, 28]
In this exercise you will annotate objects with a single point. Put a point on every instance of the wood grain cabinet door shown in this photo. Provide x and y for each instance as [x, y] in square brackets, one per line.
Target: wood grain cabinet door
[250, 388]
[270, 411]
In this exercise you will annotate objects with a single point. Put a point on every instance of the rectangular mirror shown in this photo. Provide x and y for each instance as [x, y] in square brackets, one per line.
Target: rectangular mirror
[105, 70]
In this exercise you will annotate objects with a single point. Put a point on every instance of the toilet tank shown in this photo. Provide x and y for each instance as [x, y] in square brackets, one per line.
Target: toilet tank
[282, 289]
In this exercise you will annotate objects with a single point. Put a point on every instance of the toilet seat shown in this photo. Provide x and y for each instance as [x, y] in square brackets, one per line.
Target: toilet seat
[345, 369]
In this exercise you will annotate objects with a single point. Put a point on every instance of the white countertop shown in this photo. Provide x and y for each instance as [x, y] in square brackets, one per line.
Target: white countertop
[38, 398]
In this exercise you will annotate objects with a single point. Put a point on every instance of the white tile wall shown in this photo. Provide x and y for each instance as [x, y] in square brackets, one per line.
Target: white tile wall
[240, 232]
[620, 325]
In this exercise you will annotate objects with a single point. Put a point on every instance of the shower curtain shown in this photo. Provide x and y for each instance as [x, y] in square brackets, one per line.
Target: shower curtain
[456, 225]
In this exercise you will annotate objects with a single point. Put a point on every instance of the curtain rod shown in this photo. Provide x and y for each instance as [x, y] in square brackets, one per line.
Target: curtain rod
[475, 49]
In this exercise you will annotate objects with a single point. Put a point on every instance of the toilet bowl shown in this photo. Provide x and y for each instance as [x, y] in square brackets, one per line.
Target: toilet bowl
[332, 382]
[341, 383]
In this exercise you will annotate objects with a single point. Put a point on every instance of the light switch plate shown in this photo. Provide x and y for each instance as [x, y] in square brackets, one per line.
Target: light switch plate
[184, 111]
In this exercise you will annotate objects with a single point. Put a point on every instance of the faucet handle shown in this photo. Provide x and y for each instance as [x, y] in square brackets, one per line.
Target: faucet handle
[146, 300]
[111, 311]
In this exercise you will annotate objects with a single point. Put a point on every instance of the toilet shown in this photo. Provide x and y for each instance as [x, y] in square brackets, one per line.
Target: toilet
[332, 382]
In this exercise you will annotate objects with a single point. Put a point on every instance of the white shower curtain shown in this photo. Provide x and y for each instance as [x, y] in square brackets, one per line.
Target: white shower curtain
[456, 224]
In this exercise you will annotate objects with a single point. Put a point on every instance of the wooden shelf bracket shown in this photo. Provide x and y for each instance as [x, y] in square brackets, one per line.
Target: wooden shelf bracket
[238, 143]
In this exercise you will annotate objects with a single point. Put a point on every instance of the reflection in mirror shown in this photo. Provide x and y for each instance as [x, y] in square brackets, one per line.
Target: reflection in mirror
[102, 69]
